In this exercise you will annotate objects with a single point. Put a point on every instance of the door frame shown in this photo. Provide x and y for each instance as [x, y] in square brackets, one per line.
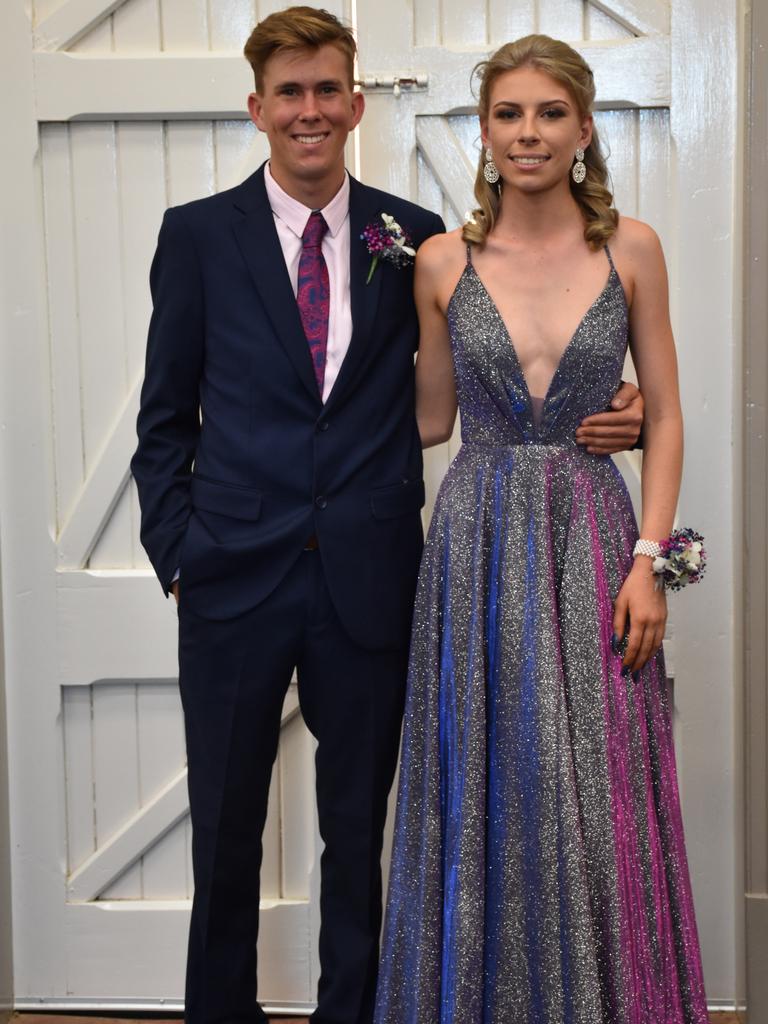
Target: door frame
[27, 520]
[754, 546]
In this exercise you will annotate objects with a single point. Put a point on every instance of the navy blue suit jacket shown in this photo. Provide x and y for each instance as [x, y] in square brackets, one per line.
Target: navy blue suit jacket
[238, 460]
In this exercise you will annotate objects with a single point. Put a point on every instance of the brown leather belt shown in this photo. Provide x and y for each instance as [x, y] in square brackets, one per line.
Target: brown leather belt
[311, 544]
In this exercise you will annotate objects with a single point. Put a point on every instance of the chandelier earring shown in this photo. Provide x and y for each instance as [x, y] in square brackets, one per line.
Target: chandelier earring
[579, 169]
[490, 171]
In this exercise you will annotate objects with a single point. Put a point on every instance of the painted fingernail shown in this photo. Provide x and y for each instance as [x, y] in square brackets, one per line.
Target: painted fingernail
[614, 643]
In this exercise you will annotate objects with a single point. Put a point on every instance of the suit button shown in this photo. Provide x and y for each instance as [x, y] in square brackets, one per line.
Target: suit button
[320, 501]
[324, 425]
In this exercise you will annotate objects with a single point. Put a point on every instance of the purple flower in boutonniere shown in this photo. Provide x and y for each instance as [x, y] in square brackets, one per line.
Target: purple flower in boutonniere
[387, 242]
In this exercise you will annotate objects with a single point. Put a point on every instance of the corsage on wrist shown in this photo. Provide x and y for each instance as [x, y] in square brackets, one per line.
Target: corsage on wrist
[678, 560]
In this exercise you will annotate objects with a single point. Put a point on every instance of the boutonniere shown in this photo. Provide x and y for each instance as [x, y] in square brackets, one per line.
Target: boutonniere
[387, 241]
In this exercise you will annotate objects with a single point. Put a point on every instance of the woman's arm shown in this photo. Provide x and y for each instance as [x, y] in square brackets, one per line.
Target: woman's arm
[435, 385]
[653, 353]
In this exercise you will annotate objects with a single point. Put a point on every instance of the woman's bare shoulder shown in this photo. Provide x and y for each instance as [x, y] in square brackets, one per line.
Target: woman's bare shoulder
[440, 262]
[440, 252]
[635, 239]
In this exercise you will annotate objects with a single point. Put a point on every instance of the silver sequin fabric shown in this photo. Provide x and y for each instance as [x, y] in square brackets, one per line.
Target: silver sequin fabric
[538, 870]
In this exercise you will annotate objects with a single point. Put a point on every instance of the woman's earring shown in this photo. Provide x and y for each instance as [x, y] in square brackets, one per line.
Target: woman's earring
[579, 170]
[490, 171]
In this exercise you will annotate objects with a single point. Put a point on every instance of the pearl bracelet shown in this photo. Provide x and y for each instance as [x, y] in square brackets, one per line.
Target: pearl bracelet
[651, 548]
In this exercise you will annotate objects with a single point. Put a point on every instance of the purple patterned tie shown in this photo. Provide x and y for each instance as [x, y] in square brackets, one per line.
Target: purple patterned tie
[313, 293]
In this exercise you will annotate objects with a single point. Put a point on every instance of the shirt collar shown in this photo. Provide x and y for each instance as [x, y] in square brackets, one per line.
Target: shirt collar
[295, 214]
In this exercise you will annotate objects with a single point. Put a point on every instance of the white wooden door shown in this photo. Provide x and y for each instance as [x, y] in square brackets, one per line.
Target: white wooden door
[136, 105]
[666, 73]
[124, 107]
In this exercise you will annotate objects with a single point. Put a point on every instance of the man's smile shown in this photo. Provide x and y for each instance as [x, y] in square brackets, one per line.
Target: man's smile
[313, 139]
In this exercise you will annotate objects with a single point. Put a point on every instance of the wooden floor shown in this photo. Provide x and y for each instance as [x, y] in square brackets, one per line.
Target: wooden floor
[55, 1018]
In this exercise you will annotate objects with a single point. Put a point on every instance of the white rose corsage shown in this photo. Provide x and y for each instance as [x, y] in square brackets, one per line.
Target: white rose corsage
[682, 559]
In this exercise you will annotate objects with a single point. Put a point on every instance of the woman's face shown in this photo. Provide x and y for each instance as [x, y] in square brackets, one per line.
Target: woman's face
[533, 129]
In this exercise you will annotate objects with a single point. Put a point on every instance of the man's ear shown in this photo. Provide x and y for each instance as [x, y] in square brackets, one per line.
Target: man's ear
[358, 109]
[254, 109]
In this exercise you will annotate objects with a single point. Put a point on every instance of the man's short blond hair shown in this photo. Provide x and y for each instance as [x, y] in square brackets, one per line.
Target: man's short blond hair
[298, 28]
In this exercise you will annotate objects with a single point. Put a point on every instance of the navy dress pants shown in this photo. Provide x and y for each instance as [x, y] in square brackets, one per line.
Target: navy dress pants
[233, 679]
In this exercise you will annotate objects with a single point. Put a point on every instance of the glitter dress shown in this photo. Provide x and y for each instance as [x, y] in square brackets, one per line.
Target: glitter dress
[538, 870]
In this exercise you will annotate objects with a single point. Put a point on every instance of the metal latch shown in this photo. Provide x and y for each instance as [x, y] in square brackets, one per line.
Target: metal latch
[410, 81]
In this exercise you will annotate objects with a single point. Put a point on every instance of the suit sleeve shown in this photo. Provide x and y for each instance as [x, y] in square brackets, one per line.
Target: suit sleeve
[168, 424]
[438, 226]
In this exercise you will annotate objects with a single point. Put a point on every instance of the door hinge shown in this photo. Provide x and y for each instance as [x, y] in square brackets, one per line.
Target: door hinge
[409, 81]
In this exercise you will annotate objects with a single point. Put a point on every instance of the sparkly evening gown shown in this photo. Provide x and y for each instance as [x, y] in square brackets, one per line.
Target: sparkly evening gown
[538, 871]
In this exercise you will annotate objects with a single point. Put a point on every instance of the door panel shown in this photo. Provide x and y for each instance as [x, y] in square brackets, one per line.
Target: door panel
[135, 105]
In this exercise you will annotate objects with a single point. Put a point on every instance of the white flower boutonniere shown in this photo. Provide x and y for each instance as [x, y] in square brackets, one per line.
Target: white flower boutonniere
[387, 241]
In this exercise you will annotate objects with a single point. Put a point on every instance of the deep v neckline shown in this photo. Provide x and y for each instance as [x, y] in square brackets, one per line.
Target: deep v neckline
[510, 340]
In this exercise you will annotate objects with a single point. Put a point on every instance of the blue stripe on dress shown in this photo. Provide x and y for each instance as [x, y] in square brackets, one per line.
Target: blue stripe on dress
[526, 754]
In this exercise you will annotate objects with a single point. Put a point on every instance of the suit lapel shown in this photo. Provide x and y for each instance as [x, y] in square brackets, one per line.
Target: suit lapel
[254, 228]
[364, 298]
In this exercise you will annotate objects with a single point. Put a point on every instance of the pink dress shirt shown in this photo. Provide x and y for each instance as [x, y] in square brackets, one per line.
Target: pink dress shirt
[291, 218]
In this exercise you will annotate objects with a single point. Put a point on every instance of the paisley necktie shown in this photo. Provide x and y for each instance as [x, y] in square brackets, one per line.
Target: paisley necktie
[313, 293]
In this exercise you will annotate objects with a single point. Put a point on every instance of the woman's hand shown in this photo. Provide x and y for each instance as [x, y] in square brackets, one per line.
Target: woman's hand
[645, 607]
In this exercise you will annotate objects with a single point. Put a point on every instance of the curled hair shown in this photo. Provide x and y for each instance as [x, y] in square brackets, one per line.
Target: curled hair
[564, 64]
[298, 28]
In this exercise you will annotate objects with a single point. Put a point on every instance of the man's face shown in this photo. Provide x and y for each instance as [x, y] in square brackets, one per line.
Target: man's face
[307, 109]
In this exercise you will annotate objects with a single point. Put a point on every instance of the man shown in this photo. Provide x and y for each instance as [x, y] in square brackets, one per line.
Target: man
[280, 476]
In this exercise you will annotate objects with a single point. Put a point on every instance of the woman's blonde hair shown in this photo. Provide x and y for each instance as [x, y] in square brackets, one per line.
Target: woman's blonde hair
[564, 64]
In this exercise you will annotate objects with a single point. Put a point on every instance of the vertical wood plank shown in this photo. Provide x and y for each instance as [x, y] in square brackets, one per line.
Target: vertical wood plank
[116, 772]
[463, 25]
[271, 882]
[387, 128]
[97, 232]
[618, 134]
[508, 21]
[61, 268]
[141, 171]
[142, 199]
[297, 806]
[184, 25]
[104, 382]
[136, 27]
[234, 144]
[654, 185]
[78, 770]
[190, 161]
[426, 23]
[230, 24]
[562, 19]
[162, 754]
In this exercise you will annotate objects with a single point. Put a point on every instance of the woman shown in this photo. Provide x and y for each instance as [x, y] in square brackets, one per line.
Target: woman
[539, 870]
